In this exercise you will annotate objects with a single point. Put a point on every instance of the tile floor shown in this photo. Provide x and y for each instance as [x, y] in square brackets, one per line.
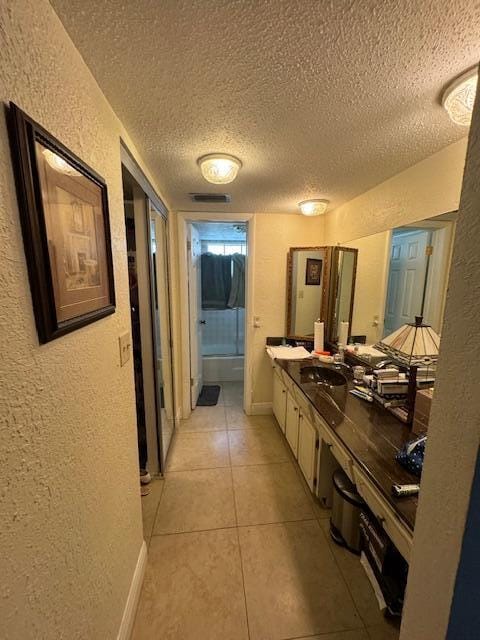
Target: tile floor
[238, 547]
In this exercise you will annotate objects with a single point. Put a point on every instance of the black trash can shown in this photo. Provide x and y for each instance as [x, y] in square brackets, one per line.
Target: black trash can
[346, 507]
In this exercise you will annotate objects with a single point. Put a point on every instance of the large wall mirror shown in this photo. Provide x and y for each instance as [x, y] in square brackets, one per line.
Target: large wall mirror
[402, 273]
[320, 285]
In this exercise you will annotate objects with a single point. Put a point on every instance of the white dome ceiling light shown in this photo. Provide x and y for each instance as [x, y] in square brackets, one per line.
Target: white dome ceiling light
[313, 207]
[219, 168]
[459, 97]
[59, 164]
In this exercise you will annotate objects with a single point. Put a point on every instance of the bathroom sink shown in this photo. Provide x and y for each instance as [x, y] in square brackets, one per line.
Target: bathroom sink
[323, 376]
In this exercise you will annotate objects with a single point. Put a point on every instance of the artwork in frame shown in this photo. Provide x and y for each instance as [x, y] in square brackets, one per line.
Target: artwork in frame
[63, 207]
[313, 271]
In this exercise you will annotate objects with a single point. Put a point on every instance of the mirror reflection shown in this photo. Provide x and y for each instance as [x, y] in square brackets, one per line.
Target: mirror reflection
[401, 274]
[306, 274]
[345, 262]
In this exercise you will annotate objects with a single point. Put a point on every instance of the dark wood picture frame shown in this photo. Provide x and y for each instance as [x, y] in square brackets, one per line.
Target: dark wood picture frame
[313, 271]
[26, 138]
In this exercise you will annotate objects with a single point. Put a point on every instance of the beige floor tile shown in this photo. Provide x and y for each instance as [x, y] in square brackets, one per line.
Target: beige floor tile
[293, 585]
[356, 634]
[193, 589]
[204, 450]
[150, 506]
[196, 500]
[232, 394]
[387, 630]
[238, 419]
[257, 446]
[269, 493]
[356, 578]
[205, 419]
[319, 511]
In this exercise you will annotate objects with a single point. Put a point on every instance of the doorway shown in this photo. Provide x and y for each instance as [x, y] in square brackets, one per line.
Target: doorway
[217, 257]
[146, 230]
[417, 273]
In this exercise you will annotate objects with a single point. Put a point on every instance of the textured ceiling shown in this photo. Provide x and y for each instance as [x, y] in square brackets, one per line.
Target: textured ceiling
[317, 98]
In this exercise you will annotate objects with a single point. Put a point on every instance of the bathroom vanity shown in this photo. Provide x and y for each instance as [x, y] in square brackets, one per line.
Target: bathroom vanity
[326, 428]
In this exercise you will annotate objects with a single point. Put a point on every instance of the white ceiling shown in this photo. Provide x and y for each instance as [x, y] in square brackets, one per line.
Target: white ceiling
[320, 98]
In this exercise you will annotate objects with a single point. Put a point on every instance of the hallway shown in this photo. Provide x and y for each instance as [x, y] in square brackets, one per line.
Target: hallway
[237, 547]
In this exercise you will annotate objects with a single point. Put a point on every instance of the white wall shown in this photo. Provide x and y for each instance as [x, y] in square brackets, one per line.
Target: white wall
[71, 527]
[454, 431]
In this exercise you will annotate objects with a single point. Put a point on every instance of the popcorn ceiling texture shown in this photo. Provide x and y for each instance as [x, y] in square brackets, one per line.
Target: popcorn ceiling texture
[317, 98]
[70, 513]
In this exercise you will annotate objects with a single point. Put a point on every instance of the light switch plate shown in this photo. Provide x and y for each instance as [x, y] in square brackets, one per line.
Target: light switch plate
[125, 344]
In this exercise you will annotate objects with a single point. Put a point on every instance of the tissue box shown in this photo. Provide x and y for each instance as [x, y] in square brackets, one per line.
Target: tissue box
[421, 414]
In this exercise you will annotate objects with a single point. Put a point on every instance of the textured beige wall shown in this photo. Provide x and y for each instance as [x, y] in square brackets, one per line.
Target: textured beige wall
[70, 513]
[426, 189]
[454, 432]
[274, 235]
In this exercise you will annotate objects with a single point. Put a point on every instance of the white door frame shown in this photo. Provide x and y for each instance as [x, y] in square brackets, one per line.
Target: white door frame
[183, 218]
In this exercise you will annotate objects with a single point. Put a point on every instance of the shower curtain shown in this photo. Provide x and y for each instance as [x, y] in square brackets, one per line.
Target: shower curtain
[223, 281]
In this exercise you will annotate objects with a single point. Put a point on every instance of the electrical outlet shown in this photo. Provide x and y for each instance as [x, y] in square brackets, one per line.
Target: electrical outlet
[125, 345]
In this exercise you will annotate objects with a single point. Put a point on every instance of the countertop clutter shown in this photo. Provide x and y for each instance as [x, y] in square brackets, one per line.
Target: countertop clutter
[371, 434]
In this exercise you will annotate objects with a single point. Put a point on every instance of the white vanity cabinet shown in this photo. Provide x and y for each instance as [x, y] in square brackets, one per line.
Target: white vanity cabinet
[291, 425]
[279, 398]
[307, 450]
[319, 451]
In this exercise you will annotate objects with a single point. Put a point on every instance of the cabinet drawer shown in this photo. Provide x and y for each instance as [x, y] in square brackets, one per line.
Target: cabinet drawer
[288, 382]
[401, 537]
[291, 424]
[303, 403]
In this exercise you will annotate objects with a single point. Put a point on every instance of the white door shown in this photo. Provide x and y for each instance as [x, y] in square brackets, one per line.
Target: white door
[279, 400]
[291, 424]
[194, 252]
[406, 279]
[307, 450]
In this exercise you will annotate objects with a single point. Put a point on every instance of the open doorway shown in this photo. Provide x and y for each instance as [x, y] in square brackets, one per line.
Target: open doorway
[146, 232]
[418, 271]
[217, 255]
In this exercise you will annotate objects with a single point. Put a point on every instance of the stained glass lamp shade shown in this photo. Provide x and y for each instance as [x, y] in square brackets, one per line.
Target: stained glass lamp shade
[414, 344]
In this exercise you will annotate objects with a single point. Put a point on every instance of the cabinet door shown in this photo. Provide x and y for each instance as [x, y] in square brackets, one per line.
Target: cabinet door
[307, 449]
[279, 400]
[291, 426]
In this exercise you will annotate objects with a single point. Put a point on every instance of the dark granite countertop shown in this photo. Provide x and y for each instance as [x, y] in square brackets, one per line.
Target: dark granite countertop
[371, 434]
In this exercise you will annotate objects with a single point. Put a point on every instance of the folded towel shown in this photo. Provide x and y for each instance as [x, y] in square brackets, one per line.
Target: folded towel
[288, 353]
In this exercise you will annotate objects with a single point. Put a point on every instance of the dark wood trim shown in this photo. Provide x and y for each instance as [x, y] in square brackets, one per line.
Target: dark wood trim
[330, 323]
[23, 133]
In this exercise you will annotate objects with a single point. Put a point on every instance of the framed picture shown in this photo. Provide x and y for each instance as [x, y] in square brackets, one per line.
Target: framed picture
[66, 231]
[313, 272]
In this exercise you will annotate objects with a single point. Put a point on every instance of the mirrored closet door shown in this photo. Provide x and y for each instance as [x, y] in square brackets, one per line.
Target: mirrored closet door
[160, 308]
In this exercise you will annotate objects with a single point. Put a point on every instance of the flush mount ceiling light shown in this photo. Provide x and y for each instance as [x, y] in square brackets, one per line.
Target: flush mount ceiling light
[219, 168]
[459, 97]
[313, 207]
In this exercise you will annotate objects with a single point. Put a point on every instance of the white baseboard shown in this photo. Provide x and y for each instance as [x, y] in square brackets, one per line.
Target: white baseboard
[261, 408]
[130, 610]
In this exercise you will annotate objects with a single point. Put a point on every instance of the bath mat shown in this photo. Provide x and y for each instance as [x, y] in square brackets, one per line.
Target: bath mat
[208, 395]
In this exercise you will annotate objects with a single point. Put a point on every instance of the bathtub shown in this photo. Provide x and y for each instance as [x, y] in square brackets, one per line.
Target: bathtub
[222, 368]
